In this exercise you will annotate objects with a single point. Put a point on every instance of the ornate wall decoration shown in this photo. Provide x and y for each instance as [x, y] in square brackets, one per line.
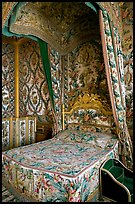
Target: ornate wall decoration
[34, 97]
[22, 132]
[86, 70]
[128, 66]
[8, 88]
[5, 135]
[127, 24]
[18, 132]
[127, 45]
[66, 26]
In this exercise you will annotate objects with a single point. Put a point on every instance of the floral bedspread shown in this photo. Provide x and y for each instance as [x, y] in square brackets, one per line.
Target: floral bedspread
[64, 168]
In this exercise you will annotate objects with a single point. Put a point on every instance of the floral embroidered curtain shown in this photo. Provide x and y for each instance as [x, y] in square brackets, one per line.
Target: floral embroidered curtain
[113, 58]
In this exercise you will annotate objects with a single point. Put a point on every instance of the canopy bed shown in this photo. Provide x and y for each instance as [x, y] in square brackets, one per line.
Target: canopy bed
[66, 167]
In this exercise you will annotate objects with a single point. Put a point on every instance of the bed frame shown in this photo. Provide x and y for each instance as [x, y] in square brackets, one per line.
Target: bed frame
[86, 101]
[83, 101]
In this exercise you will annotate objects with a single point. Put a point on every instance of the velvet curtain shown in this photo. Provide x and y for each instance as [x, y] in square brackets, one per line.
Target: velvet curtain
[113, 58]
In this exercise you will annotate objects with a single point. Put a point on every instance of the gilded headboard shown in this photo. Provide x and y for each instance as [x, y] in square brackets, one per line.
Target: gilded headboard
[86, 101]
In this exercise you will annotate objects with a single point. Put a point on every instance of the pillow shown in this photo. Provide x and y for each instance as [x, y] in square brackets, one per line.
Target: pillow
[75, 135]
[105, 142]
[62, 134]
[97, 139]
[90, 127]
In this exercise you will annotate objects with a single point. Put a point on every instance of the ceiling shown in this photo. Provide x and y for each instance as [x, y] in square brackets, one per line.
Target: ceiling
[63, 25]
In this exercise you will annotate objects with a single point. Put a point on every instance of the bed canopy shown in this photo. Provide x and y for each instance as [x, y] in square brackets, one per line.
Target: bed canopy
[113, 59]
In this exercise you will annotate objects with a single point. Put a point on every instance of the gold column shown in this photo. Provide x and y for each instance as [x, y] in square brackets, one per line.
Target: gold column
[16, 80]
[17, 92]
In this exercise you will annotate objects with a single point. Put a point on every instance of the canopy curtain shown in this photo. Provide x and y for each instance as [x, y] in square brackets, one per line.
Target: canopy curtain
[113, 58]
[43, 51]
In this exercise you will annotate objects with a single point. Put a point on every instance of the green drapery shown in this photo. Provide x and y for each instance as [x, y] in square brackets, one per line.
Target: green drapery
[113, 58]
[42, 45]
[46, 64]
[91, 5]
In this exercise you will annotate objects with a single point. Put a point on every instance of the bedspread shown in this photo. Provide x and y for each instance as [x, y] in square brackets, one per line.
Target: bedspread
[64, 168]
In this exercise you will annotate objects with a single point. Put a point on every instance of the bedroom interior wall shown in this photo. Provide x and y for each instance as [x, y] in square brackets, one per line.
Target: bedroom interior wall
[127, 45]
[114, 9]
[8, 87]
[33, 91]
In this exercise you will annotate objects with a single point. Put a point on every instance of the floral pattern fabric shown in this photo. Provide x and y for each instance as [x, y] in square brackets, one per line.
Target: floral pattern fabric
[64, 168]
[115, 75]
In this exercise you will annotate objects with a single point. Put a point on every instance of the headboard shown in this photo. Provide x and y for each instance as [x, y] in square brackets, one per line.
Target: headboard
[86, 101]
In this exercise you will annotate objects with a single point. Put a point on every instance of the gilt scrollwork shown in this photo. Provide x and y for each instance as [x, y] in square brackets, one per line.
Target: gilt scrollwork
[89, 101]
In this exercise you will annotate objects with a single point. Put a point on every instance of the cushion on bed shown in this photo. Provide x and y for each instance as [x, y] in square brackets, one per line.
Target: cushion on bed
[102, 140]
[90, 127]
[63, 134]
